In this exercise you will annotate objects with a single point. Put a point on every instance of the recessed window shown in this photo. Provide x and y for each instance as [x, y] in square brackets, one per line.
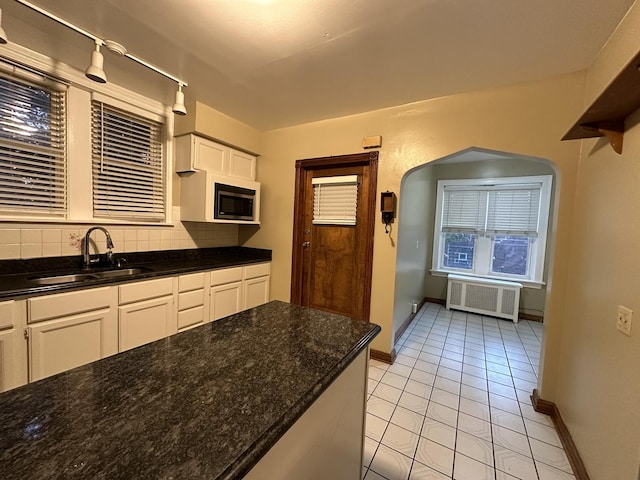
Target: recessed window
[33, 180]
[492, 227]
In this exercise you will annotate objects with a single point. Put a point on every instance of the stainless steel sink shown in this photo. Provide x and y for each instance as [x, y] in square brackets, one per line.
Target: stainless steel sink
[121, 272]
[53, 280]
[83, 277]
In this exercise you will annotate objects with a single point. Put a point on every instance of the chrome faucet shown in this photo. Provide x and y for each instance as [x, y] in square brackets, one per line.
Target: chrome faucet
[86, 256]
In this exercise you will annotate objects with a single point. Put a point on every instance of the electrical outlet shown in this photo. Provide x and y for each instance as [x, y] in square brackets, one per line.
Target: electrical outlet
[624, 320]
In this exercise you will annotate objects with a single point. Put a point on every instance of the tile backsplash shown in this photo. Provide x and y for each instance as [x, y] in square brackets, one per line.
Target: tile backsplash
[34, 240]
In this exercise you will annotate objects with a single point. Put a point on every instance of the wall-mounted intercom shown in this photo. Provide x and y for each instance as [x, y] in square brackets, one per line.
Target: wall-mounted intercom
[388, 208]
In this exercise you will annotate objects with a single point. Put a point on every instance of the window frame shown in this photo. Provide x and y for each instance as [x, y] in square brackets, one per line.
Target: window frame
[484, 243]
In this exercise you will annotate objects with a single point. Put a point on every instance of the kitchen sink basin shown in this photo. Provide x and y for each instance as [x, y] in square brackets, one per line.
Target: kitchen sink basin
[53, 280]
[121, 272]
[83, 277]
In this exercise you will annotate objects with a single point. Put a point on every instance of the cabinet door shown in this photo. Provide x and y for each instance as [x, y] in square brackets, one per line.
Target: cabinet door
[242, 165]
[195, 153]
[145, 322]
[225, 300]
[211, 156]
[256, 292]
[65, 343]
[13, 345]
[13, 359]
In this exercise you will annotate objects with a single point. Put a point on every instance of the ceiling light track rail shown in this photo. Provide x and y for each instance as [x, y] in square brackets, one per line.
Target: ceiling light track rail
[95, 71]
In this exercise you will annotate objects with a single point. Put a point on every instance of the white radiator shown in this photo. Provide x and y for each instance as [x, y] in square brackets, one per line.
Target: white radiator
[496, 298]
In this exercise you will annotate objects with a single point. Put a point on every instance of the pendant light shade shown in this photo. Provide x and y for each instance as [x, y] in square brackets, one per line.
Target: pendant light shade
[178, 107]
[95, 71]
[3, 34]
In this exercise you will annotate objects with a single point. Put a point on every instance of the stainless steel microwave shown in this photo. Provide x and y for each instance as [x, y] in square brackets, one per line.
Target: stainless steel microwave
[232, 202]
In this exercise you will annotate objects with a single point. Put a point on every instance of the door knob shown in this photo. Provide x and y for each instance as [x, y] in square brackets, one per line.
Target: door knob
[306, 244]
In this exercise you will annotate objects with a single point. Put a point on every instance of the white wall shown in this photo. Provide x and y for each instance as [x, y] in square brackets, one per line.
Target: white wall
[412, 242]
[598, 380]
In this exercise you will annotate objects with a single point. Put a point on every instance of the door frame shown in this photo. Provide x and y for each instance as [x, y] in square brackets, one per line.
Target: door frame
[367, 159]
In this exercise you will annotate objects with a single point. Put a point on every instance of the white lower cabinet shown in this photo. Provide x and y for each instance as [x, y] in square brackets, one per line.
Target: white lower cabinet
[238, 288]
[225, 297]
[71, 329]
[145, 312]
[46, 335]
[193, 300]
[256, 284]
[13, 345]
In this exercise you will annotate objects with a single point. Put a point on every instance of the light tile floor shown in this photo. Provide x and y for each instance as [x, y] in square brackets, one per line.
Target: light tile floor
[455, 404]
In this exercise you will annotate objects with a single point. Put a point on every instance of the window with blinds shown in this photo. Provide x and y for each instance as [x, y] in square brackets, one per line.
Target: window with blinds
[492, 227]
[33, 179]
[128, 172]
[492, 210]
[335, 200]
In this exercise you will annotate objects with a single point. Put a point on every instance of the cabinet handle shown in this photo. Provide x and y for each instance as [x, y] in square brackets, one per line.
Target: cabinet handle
[306, 244]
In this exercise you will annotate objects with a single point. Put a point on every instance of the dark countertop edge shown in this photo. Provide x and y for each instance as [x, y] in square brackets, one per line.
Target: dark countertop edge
[249, 458]
[155, 271]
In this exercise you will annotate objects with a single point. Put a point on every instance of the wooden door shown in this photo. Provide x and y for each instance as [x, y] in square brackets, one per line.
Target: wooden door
[331, 267]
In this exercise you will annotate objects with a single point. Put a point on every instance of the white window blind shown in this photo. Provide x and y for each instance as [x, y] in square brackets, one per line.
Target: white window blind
[493, 210]
[33, 180]
[514, 211]
[463, 211]
[128, 173]
[335, 200]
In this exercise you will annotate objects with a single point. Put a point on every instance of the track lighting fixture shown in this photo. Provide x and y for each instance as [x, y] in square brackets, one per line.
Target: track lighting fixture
[3, 34]
[95, 71]
[179, 107]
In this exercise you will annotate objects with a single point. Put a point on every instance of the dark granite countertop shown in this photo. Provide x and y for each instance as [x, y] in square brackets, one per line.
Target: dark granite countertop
[207, 403]
[16, 275]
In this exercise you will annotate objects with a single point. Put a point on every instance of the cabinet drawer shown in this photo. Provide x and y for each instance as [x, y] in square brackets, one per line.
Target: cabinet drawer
[194, 281]
[191, 299]
[64, 304]
[258, 270]
[6, 314]
[135, 292]
[226, 275]
[190, 317]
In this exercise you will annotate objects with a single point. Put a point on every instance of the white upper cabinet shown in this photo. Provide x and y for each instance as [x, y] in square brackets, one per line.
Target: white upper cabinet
[194, 153]
[242, 165]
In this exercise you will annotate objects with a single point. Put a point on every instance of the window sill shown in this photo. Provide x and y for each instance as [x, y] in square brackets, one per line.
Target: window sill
[525, 283]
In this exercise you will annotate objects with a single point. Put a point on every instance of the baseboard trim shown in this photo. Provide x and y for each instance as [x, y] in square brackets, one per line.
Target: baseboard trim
[383, 356]
[407, 322]
[551, 409]
[439, 301]
[530, 317]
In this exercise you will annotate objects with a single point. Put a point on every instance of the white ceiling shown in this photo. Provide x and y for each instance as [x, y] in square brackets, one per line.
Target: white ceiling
[276, 63]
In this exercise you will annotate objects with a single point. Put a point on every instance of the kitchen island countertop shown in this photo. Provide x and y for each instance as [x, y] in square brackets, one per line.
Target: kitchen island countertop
[205, 403]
